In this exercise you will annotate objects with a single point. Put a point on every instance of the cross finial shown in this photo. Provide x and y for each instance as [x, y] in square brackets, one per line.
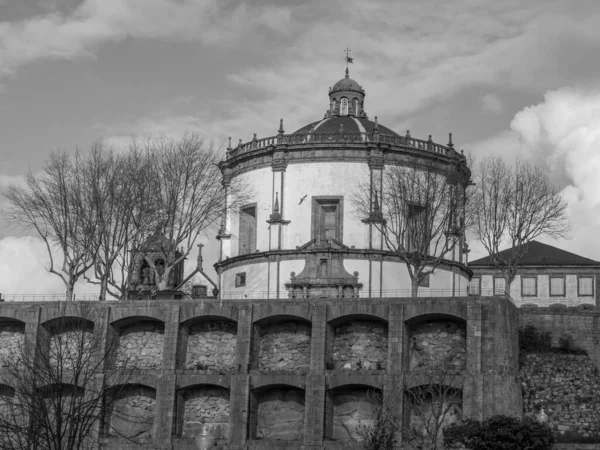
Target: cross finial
[348, 59]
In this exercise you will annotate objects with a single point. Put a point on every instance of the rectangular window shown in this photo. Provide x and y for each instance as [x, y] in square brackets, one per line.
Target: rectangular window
[199, 291]
[557, 286]
[327, 214]
[585, 286]
[240, 279]
[416, 228]
[475, 286]
[425, 281]
[499, 286]
[247, 229]
[528, 286]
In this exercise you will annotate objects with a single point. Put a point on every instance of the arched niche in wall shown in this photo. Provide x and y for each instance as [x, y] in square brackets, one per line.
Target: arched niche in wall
[12, 337]
[357, 342]
[138, 342]
[130, 412]
[435, 342]
[208, 344]
[204, 403]
[348, 408]
[281, 343]
[68, 341]
[277, 413]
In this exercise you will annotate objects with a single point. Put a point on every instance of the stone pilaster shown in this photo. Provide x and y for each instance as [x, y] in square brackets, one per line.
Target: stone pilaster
[473, 384]
[314, 410]
[238, 416]
[165, 408]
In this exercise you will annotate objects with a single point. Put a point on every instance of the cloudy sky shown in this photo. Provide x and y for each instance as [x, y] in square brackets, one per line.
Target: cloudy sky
[513, 77]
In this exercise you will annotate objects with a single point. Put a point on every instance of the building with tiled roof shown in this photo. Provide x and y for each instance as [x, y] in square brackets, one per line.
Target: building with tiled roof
[546, 276]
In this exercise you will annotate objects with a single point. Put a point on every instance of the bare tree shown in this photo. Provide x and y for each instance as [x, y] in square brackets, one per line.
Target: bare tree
[514, 204]
[188, 195]
[52, 205]
[383, 433]
[432, 404]
[57, 391]
[114, 186]
[419, 215]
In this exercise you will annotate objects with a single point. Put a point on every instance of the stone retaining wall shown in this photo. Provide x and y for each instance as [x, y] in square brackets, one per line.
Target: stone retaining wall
[141, 345]
[11, 341]
[208, 405]
[352, 408]
[211, 346]
[434, 342]
[132, 413]
[567, 386]
[280, 414]
[360, 344]
[284, 346]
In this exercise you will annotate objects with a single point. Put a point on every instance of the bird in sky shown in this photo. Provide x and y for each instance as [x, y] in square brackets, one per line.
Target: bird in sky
[302, 199]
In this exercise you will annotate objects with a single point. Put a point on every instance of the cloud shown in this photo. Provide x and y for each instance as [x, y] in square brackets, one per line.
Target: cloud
[492, 103]
[81, 31]
[22, 268]
[562, 135]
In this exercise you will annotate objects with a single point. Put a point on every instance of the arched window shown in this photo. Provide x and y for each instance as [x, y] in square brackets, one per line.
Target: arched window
[333, 106]
[344, 108]
[356, 107]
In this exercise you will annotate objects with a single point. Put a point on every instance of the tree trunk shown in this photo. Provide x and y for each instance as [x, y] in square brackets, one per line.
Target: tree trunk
[414, 291]
[162, 281]
[70, 290]
[103, 288]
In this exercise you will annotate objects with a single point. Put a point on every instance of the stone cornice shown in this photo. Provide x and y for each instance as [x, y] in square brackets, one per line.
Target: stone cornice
[375, 154]
[295, 254]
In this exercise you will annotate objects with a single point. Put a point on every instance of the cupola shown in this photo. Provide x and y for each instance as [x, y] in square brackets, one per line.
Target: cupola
[346, 98]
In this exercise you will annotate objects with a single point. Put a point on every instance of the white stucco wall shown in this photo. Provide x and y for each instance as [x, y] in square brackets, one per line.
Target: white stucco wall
[543, 298]
[318, 179]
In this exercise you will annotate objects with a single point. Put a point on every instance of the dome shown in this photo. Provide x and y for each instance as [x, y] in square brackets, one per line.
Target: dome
[346, 84]
[345, 124]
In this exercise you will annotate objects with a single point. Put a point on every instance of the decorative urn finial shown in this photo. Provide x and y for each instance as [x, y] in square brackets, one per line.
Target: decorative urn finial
[281, 130]
[229, 145]
[450, 144]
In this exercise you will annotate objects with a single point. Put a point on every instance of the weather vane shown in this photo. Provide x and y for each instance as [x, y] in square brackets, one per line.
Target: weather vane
[348, 58]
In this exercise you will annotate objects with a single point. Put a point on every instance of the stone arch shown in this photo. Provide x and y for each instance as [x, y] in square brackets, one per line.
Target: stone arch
[436, 341]
[203, 403]
[357, 342]
[281, 343]
[349, 406]
[130, 412]
[277, 413]
[140, 341]
[208, 344]
[66, 339]
[12, 338]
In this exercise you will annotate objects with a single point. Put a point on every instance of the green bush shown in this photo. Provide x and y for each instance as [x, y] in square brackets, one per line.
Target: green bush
[499, 433]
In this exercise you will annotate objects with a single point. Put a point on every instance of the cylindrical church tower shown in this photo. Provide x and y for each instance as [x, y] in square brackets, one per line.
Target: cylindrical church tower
[300, 236]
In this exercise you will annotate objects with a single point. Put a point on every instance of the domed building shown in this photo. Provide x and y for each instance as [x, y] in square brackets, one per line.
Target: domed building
[301, 235]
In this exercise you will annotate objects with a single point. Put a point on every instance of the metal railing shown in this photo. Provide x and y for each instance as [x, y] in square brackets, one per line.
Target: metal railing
[87, 297]
[423, 292]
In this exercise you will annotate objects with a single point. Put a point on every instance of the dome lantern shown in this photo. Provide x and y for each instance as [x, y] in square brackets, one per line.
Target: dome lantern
[346, 98]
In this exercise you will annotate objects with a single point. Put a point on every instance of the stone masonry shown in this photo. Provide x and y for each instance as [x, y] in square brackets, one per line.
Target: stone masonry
[293, 405]
[435, 342]
[284, 346]
[11, 339]
[360, 345]
[211, 346]
[567, 387]
[141, 345]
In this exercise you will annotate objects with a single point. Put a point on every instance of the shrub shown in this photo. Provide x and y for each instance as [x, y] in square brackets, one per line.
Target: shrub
[499, 433]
